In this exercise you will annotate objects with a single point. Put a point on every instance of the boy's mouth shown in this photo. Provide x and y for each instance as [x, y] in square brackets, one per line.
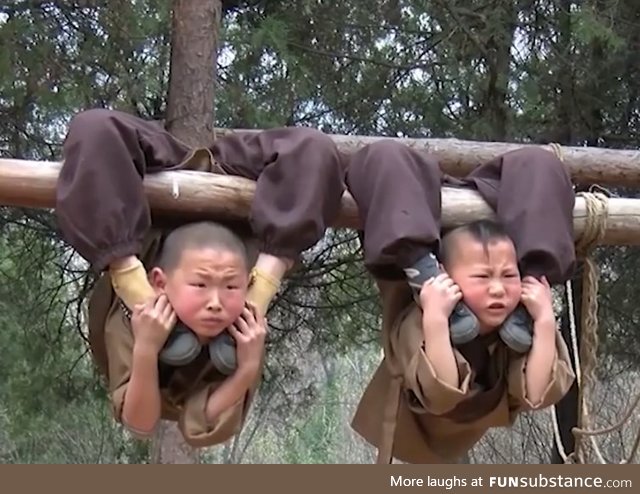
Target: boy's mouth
[496, 306]
[213, 321]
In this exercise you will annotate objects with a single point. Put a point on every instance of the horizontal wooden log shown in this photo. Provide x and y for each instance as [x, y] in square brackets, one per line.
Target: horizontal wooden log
[191, 194]
[587, 165]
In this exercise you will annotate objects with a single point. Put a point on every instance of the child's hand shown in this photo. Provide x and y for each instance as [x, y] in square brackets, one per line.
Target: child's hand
[440, 295]
[537, 298]
[249, 331]
[152, 322]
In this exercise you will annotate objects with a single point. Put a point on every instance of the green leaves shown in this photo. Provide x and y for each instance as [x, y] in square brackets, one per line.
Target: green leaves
[592, 24]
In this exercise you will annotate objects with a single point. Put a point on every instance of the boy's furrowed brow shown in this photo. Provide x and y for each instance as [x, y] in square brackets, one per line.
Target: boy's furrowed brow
[225, 273]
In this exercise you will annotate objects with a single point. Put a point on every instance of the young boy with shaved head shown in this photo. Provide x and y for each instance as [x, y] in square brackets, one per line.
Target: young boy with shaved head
[469, 333]
[480, 266]
[201, 277]
[172, 310]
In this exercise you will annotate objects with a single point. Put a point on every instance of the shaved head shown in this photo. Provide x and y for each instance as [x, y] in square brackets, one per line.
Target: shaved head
[482, 231]
[200, 235]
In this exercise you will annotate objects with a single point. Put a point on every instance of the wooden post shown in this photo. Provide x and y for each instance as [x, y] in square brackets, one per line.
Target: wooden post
[587, 165]
[196, 195]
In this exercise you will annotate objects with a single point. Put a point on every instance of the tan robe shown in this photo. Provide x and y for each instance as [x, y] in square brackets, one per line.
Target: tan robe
[184, 395]
[410, 414]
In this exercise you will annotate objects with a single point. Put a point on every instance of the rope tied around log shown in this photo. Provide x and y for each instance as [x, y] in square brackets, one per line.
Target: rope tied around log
[597, 206]
[596, 222]
[587, 355]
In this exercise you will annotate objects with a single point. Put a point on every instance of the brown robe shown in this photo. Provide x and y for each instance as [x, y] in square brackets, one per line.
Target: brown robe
[103, 214]
[411, 415]
[406, 411]
[184, 390]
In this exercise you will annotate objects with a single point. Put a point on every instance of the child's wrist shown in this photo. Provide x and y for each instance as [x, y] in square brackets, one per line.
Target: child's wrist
[247, 370]
[546, 318]
[435, 322]
[145, 350]
[434, 313]
[545, 326]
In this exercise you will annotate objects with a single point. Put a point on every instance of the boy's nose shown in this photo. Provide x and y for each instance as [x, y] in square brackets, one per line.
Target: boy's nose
[496, 288]
[214, 302]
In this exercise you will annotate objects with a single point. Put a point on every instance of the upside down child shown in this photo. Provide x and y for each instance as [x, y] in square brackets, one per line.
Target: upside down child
[176, 316]
[469, 334]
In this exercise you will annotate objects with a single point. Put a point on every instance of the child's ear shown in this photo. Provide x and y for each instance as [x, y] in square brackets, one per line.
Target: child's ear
[158, 278]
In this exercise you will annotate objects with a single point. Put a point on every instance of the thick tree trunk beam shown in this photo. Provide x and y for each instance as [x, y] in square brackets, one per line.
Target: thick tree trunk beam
[587, 165]
[189, 194]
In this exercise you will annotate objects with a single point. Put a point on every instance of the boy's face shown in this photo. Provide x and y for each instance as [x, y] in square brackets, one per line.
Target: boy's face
[207, 289]
[488, 278]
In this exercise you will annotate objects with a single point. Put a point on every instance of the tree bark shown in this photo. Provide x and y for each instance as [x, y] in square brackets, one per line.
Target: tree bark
[496, 108]
[169, 447]
[595, 108]
[563, 131]
[192, 76]
[190, 117]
